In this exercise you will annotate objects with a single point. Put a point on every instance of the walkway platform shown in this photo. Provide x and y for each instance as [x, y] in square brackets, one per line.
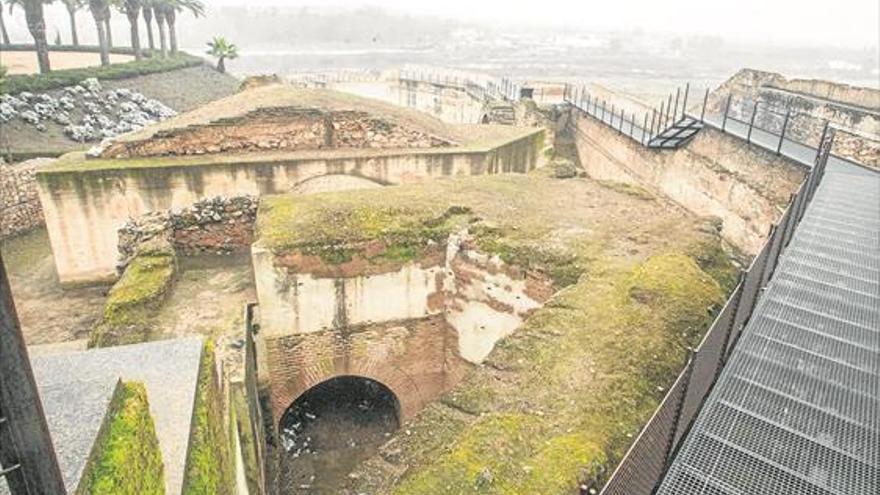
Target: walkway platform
[796, 410]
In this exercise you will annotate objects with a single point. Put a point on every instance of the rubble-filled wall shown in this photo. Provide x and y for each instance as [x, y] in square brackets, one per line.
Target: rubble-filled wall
[717, 175]
[86, 205]
[279, 129]
[20, 209]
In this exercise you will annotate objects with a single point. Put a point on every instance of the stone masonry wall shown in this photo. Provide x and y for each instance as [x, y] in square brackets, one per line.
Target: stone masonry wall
[277, 129]
[216, 225]
[20, 209]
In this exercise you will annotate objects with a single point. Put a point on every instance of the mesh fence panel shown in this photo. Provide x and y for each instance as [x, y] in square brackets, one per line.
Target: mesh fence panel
[705, 366]
[644, 464]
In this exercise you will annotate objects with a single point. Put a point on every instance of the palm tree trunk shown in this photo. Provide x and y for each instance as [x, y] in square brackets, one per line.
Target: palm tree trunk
[73, 35]
[3, 34]
[132, 15]
[107, 26]
[33, 12]
[221, 65]
[160, 21]
[98, 15]
[148, 20]
[170, 18]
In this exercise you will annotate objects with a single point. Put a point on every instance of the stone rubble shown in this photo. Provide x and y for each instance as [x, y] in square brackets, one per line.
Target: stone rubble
[87, 111]
[211, 226]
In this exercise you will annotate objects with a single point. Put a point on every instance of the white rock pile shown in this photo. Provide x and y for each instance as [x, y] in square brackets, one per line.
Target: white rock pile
[86, 110]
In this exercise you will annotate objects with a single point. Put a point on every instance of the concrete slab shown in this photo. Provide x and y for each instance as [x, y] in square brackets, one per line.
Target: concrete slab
[76, 388]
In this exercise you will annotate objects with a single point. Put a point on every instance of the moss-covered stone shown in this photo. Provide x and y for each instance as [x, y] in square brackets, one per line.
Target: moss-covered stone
[125, 459]
[136, 297]
[209, 464]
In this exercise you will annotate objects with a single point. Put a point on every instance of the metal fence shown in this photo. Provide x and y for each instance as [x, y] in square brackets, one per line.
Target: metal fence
[643, 466]
[653, 122]
[503, 89]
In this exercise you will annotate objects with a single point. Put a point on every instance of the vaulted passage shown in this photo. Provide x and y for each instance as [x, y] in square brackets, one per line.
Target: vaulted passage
[330, 429]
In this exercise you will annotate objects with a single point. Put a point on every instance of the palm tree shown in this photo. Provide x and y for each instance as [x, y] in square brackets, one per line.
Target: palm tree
[148, 21]
[172, 7]
[222, 49]
[36, 23]
[99, 10]
[107, 22]
[132, 9]
[72, 7]
[4, 35]
[159, 14]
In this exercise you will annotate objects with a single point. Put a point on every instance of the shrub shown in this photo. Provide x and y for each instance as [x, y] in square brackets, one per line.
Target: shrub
[67, 77]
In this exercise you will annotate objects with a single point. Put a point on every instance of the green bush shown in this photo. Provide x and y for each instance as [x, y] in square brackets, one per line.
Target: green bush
[125, 459]
[59, 78]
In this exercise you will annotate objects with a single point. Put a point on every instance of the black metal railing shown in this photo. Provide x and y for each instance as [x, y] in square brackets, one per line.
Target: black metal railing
[643, 466]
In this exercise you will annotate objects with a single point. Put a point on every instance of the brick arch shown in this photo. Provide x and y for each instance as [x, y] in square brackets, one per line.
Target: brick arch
[417, 360]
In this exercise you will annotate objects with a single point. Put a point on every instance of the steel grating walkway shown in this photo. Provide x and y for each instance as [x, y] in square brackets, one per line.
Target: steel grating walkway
[796, 410]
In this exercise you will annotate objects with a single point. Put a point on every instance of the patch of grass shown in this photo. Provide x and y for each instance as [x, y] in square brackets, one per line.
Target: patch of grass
[135, 298]
[67, 77]
[126, 459]
[629, 189]
[209, 462]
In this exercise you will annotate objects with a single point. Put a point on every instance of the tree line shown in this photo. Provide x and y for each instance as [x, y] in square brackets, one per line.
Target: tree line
[163, 12]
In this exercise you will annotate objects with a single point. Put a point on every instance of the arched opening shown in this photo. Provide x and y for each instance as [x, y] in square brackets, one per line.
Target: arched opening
[485, 119]
[331, 428]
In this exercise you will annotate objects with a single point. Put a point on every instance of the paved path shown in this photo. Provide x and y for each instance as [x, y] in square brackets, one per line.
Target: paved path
[796, 410]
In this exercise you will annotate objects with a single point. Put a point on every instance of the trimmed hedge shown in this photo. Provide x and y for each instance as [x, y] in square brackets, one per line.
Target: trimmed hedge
[125, 459]
[67, 77]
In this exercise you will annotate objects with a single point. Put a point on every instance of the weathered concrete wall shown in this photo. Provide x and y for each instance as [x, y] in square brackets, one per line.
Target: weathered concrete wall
[20, 209]
[744, 186]
[854, 110]
[447, 103]
[413, 327]
[85, 208]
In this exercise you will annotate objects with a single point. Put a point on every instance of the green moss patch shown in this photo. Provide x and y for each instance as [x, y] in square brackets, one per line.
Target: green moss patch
[209, 462]
[570, 389]
[125, 459]
[135, 298]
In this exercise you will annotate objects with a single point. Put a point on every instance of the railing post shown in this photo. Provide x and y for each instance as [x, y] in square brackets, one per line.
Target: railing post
[752, 122]
[611, 122]
[675, 108]
[705, 102]
[660, 118]
[603, 111]
[644, 127]
[632, 126]
[653, 118]
[726, 110]
[782, 134]
[687, 89]
[821, 140]
[668, 108]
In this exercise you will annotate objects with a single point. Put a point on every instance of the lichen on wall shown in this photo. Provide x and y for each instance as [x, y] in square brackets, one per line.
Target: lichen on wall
[125, 459]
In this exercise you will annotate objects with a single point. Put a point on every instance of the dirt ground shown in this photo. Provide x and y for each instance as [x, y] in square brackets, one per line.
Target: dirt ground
[26, 62]
[47, 313]
[208, 298]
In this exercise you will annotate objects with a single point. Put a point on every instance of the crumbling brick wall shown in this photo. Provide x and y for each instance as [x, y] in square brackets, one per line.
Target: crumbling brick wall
[278, 129]
[20, 208]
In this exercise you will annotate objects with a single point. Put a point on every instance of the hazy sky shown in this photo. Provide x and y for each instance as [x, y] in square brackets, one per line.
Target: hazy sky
[851, 23]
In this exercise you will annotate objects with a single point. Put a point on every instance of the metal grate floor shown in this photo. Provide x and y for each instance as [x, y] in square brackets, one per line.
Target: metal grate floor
[796, 410]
